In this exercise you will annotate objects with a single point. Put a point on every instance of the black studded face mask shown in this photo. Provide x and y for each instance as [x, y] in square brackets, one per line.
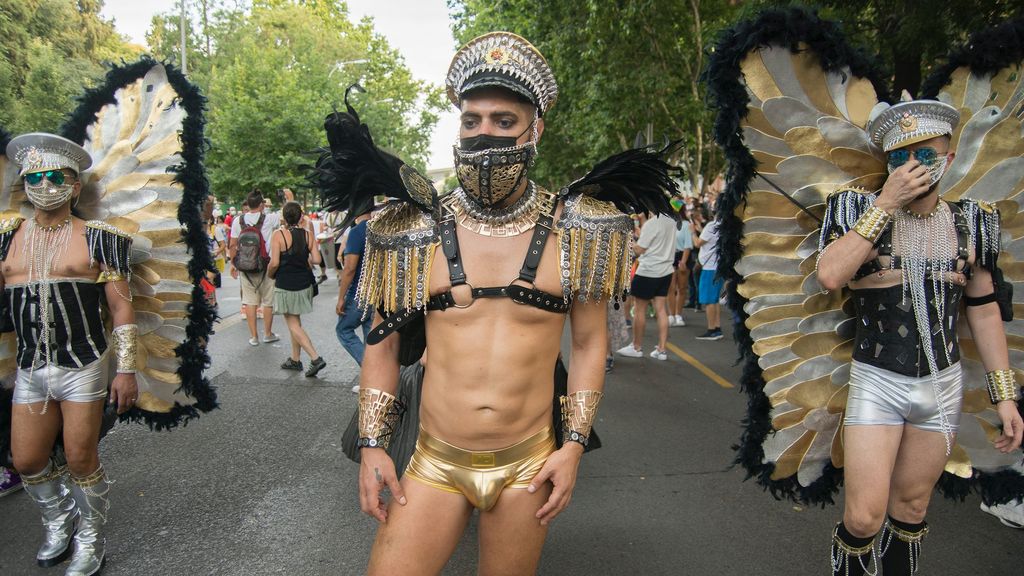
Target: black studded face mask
[491, 168]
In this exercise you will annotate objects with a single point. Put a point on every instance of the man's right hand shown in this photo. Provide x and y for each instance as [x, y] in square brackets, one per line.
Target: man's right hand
[340, 308]
[903, 186]
[234, 273]
[376, 472]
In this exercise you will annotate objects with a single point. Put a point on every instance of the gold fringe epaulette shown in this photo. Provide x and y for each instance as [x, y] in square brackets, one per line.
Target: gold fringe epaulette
[596, 249]
[8, 228]
[110, 246]
[400, 242]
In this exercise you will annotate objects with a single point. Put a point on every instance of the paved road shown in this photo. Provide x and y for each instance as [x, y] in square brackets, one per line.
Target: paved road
[261, 486]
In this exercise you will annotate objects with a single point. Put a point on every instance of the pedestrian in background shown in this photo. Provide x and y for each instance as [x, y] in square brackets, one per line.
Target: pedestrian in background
[350, 316]
[250, 257]
[655, 249]
[680, 288]
[292, 258]
[709, 290]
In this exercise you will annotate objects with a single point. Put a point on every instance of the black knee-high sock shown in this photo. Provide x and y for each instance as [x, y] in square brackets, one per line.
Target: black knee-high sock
[850, 554]
[901, 547]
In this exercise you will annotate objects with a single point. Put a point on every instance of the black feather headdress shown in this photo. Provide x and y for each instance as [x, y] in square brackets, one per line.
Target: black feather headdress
[637, 180]
[351, 171]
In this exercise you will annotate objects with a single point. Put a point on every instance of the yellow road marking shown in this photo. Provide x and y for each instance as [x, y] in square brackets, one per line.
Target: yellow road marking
[699, 366]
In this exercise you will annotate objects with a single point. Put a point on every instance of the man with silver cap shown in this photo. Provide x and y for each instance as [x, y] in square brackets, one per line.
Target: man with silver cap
[57, 270]
[496, 266]
[909, 258]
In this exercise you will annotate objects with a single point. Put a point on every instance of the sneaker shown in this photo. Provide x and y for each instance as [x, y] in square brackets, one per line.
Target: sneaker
[10, 482]
[609, 363]
[268, 338]
[355, 389]
[1010, 514]
[630, 352]
[679, 321]
[315, 366]
[254, 342]
[711, 335]
[290, 364]
[322, 279]
[659, 354]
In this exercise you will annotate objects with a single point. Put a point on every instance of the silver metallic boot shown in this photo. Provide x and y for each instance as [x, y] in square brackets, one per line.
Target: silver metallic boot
[91, 497]
[54, 499]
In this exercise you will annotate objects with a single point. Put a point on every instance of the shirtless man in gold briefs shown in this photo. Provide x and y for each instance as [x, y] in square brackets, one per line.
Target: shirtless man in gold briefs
[498, 267]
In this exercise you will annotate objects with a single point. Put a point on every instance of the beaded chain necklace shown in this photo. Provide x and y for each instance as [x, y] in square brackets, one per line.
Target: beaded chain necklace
[927, 245]
[44, 247]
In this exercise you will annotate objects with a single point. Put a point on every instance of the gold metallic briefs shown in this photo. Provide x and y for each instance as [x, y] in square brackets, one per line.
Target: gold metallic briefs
[479, 475]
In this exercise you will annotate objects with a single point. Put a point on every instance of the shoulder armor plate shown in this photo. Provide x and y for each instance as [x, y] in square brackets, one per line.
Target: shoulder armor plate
[596, 249]
[8, 227]
[400, 242]
[110, 246]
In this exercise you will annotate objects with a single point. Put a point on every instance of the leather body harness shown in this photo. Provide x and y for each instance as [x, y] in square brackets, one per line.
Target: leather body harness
[528, 295]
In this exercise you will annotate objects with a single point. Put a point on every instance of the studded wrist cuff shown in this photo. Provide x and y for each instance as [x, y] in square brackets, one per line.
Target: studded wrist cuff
[1002, 385]
[872, 223]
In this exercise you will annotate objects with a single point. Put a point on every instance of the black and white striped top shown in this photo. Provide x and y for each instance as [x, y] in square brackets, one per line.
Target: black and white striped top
[77, 337]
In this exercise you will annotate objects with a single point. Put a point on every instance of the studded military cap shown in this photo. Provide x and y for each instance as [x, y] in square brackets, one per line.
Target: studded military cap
[504, 60]
[910, 122]
[39, 151]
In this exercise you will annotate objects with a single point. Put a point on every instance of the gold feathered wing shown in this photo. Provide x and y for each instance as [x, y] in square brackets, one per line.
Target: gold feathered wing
[806, 129]
[989, 166]
[134, 142]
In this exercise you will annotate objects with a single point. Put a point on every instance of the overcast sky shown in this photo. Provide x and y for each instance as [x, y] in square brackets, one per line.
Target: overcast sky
[418, 29]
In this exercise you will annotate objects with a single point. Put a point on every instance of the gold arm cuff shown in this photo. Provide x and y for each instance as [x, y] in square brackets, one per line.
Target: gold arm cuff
[379, 414]
[872, 223]
[1002, 385]
[579, 410]
[125, 339]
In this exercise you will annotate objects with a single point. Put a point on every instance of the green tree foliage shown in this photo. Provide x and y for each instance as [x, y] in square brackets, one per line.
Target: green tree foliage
[49, 51]
[273, 71]
[627, 70]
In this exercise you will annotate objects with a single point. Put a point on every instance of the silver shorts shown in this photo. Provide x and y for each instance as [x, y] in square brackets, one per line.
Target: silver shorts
[87, 384]
[880, 397]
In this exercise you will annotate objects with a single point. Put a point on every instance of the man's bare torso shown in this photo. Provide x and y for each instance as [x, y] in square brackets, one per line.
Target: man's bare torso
[489, 376]
[74, 262]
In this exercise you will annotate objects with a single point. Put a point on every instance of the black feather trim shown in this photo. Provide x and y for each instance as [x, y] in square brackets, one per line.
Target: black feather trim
[192, 176]
[637, 180]
[785, 27]
[986, 52]
[351, 171]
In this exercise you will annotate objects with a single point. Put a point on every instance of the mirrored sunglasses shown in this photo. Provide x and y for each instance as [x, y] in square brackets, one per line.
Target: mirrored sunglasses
[54, 176]
[926, 156]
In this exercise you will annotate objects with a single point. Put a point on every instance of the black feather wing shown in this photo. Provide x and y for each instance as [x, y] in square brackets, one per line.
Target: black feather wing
[637, 180]
[351, 171]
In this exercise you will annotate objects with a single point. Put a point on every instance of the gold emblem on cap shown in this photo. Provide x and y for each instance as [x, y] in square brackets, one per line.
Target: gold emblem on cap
[496, 55]
[33, 157]
[908, 123]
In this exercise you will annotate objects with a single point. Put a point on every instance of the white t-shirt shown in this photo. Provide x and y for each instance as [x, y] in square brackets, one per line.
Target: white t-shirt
[270, 223]
[658, 238]
[708, 256]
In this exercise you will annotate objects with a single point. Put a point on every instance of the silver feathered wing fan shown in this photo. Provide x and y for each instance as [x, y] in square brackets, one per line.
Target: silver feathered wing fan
[793, 102]
[143, 129]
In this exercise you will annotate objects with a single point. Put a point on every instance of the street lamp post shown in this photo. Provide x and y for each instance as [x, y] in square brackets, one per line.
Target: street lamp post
[181, 26]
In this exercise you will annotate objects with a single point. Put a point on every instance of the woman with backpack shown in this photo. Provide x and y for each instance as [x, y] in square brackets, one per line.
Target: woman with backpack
[291, 261]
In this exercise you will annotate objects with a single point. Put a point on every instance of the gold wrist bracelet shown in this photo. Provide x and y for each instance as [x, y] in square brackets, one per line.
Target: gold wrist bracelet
[379, 413]
[872, 223]
[579, 410]
[125, 340]
[1002, 385]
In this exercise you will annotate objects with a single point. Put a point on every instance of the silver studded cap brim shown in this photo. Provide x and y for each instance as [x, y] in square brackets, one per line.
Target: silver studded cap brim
[39, 151]
[933, 118]
[502, 54]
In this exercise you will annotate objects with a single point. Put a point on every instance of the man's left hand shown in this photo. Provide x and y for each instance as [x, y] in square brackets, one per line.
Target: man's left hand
[560, 469]
[1013, 427]
[124, 392]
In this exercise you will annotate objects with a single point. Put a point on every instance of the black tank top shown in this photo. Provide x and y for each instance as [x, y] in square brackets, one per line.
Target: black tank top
[294, 272]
